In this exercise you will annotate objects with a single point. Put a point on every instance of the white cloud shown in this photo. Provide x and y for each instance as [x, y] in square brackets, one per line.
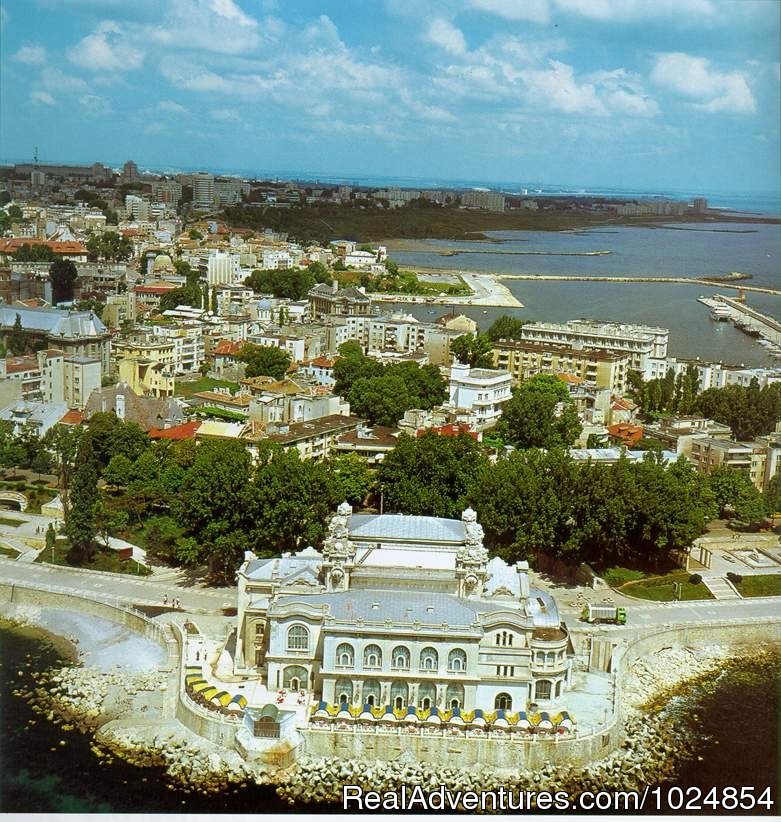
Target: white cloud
[557, 88]
[230, 11]
[444, 34]
[535, 11]
[211, 26]
[170, 107]
[225, 115]
[53, 79]
[709, 89]
[42, 97]
[30, 55]
[106, 50]
[94, 104]
[631, 11]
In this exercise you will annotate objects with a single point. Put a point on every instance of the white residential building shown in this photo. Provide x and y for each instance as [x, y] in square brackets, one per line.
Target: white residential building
[481, 390]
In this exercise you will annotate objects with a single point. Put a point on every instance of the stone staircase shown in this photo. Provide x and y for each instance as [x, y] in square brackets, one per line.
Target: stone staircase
[721, 588]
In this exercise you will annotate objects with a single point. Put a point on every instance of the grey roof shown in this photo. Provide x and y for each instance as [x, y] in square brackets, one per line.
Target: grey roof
[61, 324]
[406, 528]
[282, 569]
[374, 605]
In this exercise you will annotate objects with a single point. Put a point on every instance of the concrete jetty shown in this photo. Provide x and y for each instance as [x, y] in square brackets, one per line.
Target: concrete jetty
[745, 318]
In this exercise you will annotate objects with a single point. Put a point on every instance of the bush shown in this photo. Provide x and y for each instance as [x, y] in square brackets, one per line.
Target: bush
[734, 578]
[695, 579]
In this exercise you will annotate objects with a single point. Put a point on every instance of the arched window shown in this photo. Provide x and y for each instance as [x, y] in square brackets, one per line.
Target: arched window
[399, 695]
[372, 656]
[540, 657]
[345, 656]
[294, 677]
[429, 659]
[297, 638]
[456, 660]
[455, 695]
[550, 658]
[371, 692]
[259, 629]
[427, 695]
[504, 638]
[400, 657]
[503, 702]
[558, 688]
[344, 691]
[542, 689]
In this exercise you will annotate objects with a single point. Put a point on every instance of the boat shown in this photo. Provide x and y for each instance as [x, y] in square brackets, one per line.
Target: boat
[720, 313]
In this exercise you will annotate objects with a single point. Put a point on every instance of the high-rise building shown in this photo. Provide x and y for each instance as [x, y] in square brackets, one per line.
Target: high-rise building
[203, 191]
[700, 205]
[129, 172]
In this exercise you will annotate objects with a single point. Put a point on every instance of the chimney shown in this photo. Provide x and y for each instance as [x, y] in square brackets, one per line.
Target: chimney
[522, 568]
[334, 286]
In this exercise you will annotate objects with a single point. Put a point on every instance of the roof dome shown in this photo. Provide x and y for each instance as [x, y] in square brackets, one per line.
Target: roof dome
[162, 262]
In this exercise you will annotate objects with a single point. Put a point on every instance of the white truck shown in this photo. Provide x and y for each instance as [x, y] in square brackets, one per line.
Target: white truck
[604, 613]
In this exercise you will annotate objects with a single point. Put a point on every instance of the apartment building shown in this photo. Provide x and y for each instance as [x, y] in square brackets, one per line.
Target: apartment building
[759, 458]
[602, 369]
[641, 342]
[679, 433]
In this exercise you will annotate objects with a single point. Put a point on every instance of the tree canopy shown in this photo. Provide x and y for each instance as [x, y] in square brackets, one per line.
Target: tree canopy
[62, 275]
[473, 350]
[293, 283]
[109, 245]
[505, 328]
[540, 414]
[264, 360]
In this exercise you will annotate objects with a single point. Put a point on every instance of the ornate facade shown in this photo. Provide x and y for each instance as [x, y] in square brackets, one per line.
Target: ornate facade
[402, 611]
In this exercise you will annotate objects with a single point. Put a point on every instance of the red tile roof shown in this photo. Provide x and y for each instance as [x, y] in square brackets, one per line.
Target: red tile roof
[154, 289]
[626, 432]
[185, 431]
[72, 418]
[227, 348]
[12, 244]
[449, 430]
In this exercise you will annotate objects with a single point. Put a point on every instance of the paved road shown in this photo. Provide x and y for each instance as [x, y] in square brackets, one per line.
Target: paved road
[136, 590]
[657, 615]
[126, 589]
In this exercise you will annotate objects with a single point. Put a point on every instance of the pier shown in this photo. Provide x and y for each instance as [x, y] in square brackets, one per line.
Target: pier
[746, 319]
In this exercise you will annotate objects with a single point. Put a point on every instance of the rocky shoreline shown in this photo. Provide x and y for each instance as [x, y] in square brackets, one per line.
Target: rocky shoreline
[125, 715]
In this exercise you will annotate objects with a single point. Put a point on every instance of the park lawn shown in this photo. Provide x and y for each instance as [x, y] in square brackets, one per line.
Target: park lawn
[761, 585]
[8, 552]
[187, 389]
[11, 523]
[104, 560]
[618, 576]
[660, 589]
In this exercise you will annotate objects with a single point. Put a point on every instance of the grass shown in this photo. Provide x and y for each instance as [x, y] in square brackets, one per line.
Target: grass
[104, 560]
[220, 413]
[660, 589]
[616, 577]
[187, 389]
[760, 585]
[8, 552]
[12, 523]
[36, 494]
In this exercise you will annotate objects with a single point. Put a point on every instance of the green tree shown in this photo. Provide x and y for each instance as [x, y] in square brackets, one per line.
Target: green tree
[14, 212]
[186, 295]
[35, 253]
[354, 477]
[540, 414]
[353, 365]
[118, 471]
[62, 444]
[474, 350]
[505, 328]
[194, 234]
[62, 275]
[319, 271]
[108, 520]
[18, 340]
[431, 475]
[773, 494]
[736, 495]
[381, 400]
[213, 306]
[80, 513]
[264, 360]
[51, 539]
[161, 538]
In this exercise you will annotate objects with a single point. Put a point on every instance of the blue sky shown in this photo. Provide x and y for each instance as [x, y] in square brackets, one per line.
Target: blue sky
[629, 93]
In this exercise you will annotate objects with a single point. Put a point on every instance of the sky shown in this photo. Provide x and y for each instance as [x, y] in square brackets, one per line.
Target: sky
[680, 94]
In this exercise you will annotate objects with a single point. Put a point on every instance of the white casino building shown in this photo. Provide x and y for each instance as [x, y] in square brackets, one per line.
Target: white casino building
[402, 611]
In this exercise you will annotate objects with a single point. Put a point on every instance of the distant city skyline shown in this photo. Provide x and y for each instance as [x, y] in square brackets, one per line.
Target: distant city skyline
[680, 96]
